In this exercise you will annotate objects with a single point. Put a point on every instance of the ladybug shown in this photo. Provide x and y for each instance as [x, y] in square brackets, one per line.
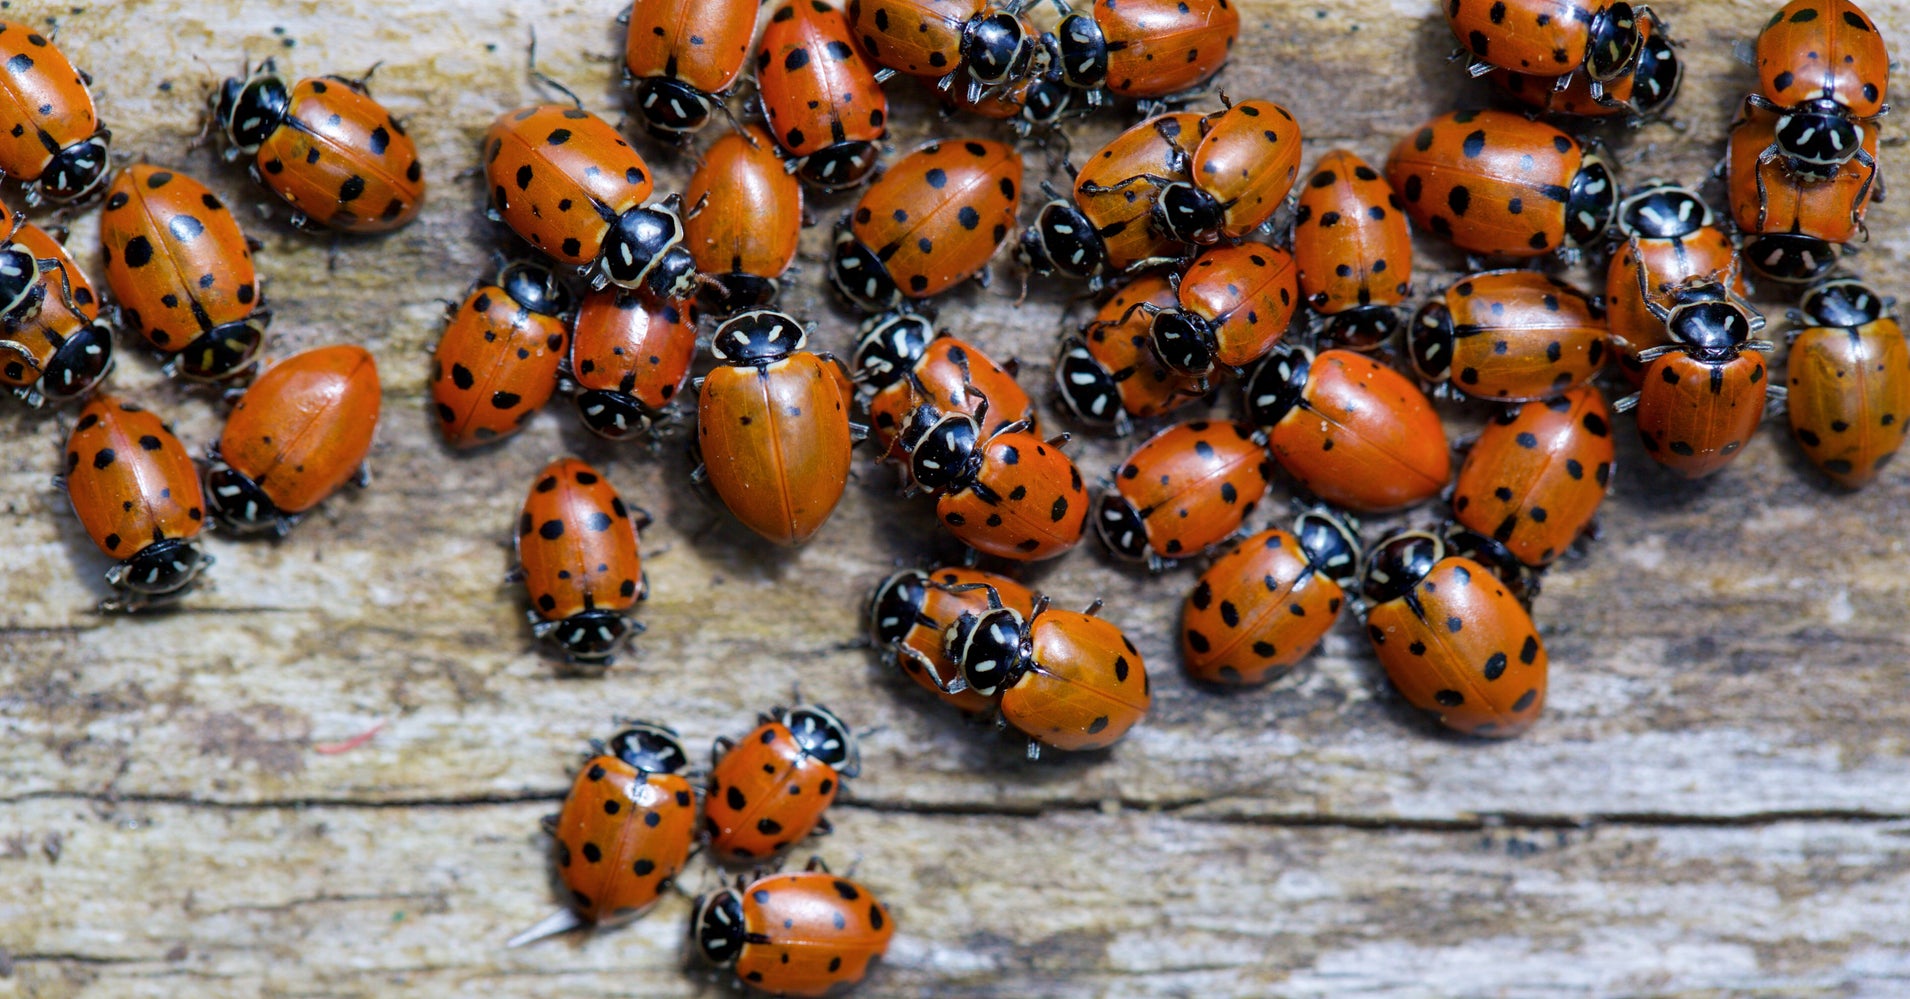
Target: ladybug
[1237, 177]
[1352, 250]
[911, 609]
[823, 102]
[773, 427]
[1266, 604]
[625, 832]
[680, 58]
[1849, 381]
[1455, 641]
[1822, 68]
[1537, 473]
[1643, 93]
[1350, 430]
[324, 146]
[137, 494]
[967, 45]
[577, 553]
[1066, 680]
[630, 355]
[1494, 182]
[56, 147]
[770, 789]
[744, 219]
[1031, 105]
[1794, 223]
[53, 345]
[1009, 493]
[1108, 226]
[496, 364]
[804, 934]
[903, 362]
[1521, 580]
[1509, 336]
[1548, 37]
[1143, 49]
[1184, 491]
[181, 271]
[934, 219]
[301, 431]
[1702, 393]
[1108, 375]
[1233, 303]
[1670, 239]
[563, 179]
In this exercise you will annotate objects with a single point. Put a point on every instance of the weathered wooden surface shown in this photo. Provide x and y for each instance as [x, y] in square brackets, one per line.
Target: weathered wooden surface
[1713, 804]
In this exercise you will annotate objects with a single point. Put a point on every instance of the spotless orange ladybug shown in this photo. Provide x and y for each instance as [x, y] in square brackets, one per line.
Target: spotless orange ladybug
[772, 424]
[1702, 393]
[744, 219]
[1510, 336]
[1795, 224]
[1265, 605]
[496, 364]
[301, 431]
[630, 355]
[933, 219]
[1494, 182]
[770, 789]
[325, 147]
[1143, 49]
[1643, 93]
[809, 933]
[1537, 473]
[1009, 493]
[577, 553]
[1353, 250]
[1455, 642]
[56, 146]
[968, 45]
[625, 832]
[1238, 176]
[681, 56]
[1823, 69]
[135, 491]
[911, 609]
[1107, 227]
[1669, 234]
[1233, 303]
[1184, 491]
[1849, 381]
[181, 272]
[53, 345]
[1108, 375]
[1548, 37]
[903, 362]
[822, 100]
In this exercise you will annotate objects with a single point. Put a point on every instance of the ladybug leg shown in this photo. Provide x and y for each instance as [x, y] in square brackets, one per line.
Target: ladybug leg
[823, 827]
[816, 864]
[1094, 608]
[1863, 193]
[1034, 751]
[720, 746]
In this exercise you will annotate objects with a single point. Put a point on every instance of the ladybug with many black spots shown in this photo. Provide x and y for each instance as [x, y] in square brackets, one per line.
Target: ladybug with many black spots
[1670, 239]
[630, 354]
[57, 146]
[1794, 224]
[53, 345]
[1824, 70]
[771, 788]
[1108, 375]
[1849, 392]
[901, 361]
[1265, 605]
[1233, 303]
[496, 364]
[822, 101]
[1509, 336]
[804, 934]
[1702, 392]
[1537, 473]
[1184, 491]
[910, 610]
[1643, 93]
[970, 46]
[1237, 177]
[1106, 226]
[136, 492]
[1143, 49]
[578, 559]
[1009, 493]
[1549, 37]
[680, 58]
[1353, 250]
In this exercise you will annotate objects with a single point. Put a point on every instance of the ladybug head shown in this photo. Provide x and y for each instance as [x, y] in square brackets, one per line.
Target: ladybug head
[1062, 239]
[1844, 303]
[590, 636]
[717, 933]
[1430, 341]
[533, 286]
[996, 48]
[823, 736]
[650, 748]
[1362, 328]
[671, 107]
[644, 249]
[1790, 258]
[1046, 100]
[1491, 553]
[238, 501]
[81, 363]
[19, 278]
[613, 415]
[224, 351]
[161, 567]
[1183, 341]
[990, 648]
[1591, 201]
[1399, 563]
[77, 170]
[1120, 525]
[1662, 210]
[1331, 542]
[841, 166]
[1613, 47]
[944, 449]
[888, 347]
[1086, 386]
[759, 336]
[1079, 49]
[1189, 214]
[894, 605]
[1817, 138]
[1708, 322]
[1278, 384]
[860, 277]
[250, 110]
[1657, 76]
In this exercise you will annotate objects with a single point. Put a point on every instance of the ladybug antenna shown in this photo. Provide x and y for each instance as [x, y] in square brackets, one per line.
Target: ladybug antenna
[541, 77]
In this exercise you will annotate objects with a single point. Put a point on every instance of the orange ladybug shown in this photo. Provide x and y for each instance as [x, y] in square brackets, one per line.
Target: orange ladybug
[56, 146]
[324, 146]
[744, 219]
[1142, 49]
[577, 556]
[301, 431]
[773, 427]
[629, 356]
[53, 345]
[1535, 477]
[1265, 605]
[1643, 93]
[680, 58]
[1823, 67]
[1551, 37]
[1238, 176]
[822, 100]
[626, 830]
[910, 610]
[965, 46]
[496, 364]
[1352, 250]
[1849, 381]
[933, 219]
[1233, 304]
[1794, 223]
[181, 272]
[1009, 494]
[771, 788]
[1702, 393]
[1106, 227]
[1108, 375]
[901, 361]
[137, 494]
[1509, 336]
[1455, 642]
[1670, 240]
[804, 934]
[1185, 490]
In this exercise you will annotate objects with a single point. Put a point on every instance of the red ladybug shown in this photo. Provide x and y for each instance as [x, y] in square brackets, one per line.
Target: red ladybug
[909, 612]
[1009, 494]
[773, 427]
[1350, 430]
[902, 362]
[770, 789]
[1233, 304]
[1144, 49]
[56, 146]
[563, 179]
[324, 146]
[823, 102]
[1108, 226]
[577, 549]
[1108, 374]
[53, 345]
[1509, 336]
[181, 271]
[1494, 182]
[629, 357]
[1670, 239]
[1185, 490]
[744, 219]
[1535, 477]
[804, 934]
[496, 364]
[1265, 605]
[626, 830]
[1702, 393]
[1033, 105]
[1237, 177]
[136, 493]
[1795, 223]
[964, 45]
[1353, 250]
[301, 431]
[1849, 382]
[680, 58]
[1548, 37]
[1455, 642]
[933, 219]
[1642, 93]
[1823, 68]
